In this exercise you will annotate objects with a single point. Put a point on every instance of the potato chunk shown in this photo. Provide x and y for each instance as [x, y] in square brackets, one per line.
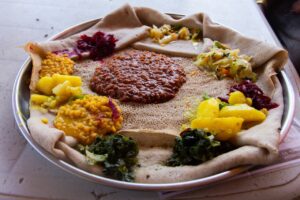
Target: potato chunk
[236, 97]
[64, 91]
[249, 114]
[223, 128]
[45, 85]
[74, 80]
[38, 99]
[208, 108]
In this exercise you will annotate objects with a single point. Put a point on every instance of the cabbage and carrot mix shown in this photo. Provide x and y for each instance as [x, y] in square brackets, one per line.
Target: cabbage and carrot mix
[226, 62]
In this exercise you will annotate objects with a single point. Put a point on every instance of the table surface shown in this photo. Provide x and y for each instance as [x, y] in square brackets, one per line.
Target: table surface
[26, 175]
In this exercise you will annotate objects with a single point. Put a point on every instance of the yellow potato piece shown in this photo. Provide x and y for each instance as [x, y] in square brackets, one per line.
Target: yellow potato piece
[38, 99]
[64, 91]
[45, 85]
[75, 91]
[249, 114]
[223, 128]
[53, 103]
[249, 101]
[75, 81]
[208, 108]
[236, 97]
[61, 89]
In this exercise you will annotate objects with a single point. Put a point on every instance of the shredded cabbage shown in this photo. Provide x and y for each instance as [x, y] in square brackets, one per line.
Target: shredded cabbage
[226, 62]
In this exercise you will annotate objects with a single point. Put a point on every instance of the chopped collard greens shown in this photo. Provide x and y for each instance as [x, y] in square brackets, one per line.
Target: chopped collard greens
[196, 146]
[116, 153]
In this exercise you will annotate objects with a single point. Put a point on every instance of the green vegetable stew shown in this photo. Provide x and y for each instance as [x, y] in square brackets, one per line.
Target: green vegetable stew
[196, 146]
[116, 153]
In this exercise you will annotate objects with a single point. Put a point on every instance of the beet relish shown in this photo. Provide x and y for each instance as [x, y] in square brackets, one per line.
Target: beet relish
[251, 90]
[100, 45]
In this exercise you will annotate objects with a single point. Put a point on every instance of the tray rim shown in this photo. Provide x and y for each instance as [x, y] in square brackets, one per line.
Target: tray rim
[22, 126]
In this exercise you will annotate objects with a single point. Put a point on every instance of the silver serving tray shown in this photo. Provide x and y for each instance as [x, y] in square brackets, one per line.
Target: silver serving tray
[20, 104]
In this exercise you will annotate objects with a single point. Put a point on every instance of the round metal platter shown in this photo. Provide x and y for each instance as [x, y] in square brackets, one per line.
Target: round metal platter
[20, 104]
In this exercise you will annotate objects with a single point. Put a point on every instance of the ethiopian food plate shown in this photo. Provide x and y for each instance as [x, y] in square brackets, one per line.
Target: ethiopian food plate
[154, 102]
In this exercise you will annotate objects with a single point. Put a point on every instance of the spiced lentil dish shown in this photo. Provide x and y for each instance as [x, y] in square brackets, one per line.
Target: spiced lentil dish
[139, 76]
